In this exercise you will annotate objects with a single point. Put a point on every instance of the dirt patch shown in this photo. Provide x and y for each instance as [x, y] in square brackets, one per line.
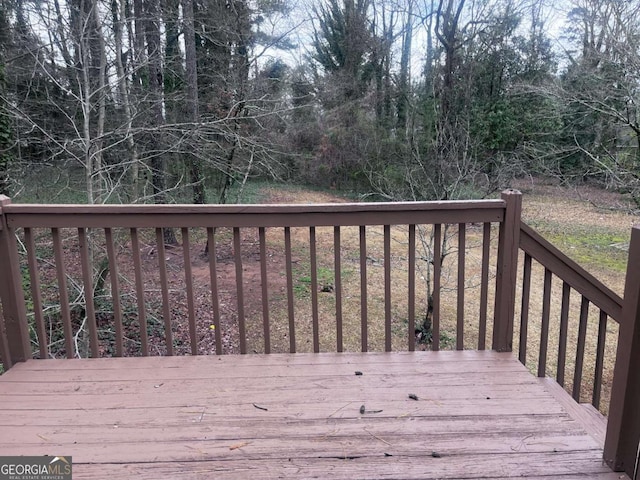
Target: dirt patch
[294, 195]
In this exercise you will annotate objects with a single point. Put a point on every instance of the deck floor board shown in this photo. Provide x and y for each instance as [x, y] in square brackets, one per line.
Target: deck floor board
[478, 415]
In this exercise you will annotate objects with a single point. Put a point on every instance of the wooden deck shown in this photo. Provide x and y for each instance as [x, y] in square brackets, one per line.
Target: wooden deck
[478, 414]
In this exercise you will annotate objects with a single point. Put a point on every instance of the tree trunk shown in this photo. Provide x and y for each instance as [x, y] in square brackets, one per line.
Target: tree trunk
[154, 54]
[60, 35]
[136, 31]
[154, 65]
[192, 95]
[119, 16]
[388, 35]
[99, 58]
[403, 82]
[240, 64]
[5, 125]
[447, 30]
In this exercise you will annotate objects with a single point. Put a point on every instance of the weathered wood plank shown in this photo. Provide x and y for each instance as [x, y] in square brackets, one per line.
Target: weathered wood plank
[59, 393]
[409, 360]
[234, 428]
[297, 416]
[594, 423]
[190, 411]
[150, 396]
[331, 443]
[315, 383]
[576, 464]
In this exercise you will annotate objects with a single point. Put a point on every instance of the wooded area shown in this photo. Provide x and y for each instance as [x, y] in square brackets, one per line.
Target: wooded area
[179, 100]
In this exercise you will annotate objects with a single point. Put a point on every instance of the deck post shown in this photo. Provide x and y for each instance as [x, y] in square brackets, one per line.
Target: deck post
[623, 427]
[506, 272]
[5, 358]
[11, 295]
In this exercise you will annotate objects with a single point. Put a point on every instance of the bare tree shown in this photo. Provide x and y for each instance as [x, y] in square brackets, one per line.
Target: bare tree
[404, 77]
[192, 94]
[6, 141]
[120, 26]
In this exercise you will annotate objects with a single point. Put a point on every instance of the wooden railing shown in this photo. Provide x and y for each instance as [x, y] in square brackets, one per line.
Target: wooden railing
[622, 444]
[38, 241]
[574, 278]
[36, 238]
[623, 428]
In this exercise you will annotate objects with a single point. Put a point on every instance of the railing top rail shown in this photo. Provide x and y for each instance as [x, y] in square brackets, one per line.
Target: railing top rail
[4, 203]
[569, 271]
[256, 208]
[323, 214]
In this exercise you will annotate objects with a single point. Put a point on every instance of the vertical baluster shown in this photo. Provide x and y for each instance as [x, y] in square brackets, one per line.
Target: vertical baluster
[188, 276]
[265, 290]
[461, 285]
[290, 299]
[597, 377]
[544, 328]
[239, 289]
[437, 267]
[115, 291]
[412, 287]
[524, 311]
[164, 287]
[582, 335]
[387, 288]
[215, 301]
[338, 286]
[5, 354]
[623, 422]
[36, 293]
[363, 288]
[484, 286]
[564, 326]
[63, 292]
[314, 289]
[14, 328]
[142, 314]
[87, 279]
[507, 272]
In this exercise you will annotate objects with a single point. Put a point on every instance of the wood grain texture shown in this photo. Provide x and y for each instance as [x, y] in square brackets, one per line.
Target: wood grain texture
[593, 421]
[477, 414]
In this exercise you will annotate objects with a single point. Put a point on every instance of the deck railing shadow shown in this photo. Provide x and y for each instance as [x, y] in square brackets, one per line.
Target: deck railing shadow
[58, 243]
